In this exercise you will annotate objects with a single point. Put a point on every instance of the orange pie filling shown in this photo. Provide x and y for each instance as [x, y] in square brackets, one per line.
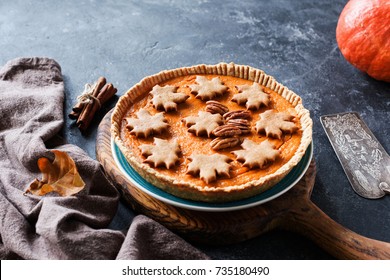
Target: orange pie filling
[190, 143]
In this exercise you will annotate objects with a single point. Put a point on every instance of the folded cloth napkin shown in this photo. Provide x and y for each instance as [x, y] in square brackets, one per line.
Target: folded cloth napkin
[50, 226]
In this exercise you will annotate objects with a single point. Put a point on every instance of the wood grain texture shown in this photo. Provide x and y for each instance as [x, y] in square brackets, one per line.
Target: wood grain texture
[292, 211]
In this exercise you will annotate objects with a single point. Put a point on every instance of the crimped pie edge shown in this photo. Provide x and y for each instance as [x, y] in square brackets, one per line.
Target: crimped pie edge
[192, 191]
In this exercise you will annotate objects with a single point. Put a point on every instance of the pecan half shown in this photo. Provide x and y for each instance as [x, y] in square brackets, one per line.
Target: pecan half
[220, 143]
[242, 124]
[226, 130]
[244, 129]
[239, 114]
[215, 107]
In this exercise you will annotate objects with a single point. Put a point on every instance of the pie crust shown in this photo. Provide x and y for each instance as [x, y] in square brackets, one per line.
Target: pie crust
[243, 182]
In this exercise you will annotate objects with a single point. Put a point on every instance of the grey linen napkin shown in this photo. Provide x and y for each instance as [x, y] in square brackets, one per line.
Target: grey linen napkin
[54, 227]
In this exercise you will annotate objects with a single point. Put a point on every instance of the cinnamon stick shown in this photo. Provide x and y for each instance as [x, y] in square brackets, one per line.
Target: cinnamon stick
[79, 106]
[86, 116]
[73, 115]
[84, 111]
[106, 93]
[99, 85]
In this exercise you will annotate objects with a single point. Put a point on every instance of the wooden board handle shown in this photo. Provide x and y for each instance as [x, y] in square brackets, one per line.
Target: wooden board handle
[333, 237]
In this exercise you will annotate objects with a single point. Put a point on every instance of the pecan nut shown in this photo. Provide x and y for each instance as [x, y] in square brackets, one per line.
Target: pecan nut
[244, 129]
[242, 124]
[238, 114]
[220, 143]
[227, 130]
[215, 107]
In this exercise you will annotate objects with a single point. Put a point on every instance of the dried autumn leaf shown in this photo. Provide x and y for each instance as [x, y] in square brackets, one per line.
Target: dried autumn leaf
[60, 176]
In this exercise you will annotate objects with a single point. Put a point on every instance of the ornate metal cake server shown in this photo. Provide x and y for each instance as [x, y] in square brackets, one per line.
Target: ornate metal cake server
[364, 160]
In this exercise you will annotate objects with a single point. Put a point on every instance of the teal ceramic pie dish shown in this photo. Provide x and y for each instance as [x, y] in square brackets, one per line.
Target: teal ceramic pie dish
[280, 188]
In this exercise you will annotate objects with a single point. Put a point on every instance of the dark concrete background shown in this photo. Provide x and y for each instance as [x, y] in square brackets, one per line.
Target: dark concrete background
[292, 40]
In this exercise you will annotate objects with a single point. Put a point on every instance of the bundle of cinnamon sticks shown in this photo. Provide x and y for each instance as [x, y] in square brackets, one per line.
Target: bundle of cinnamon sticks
[90, 101]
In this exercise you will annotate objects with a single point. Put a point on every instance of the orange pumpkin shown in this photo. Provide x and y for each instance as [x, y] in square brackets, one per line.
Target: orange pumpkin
[363, 36]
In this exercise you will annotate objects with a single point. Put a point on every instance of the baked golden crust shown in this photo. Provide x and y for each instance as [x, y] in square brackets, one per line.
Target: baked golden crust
[180, 186]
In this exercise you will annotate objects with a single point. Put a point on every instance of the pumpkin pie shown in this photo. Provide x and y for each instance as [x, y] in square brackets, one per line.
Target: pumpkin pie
[212, 133]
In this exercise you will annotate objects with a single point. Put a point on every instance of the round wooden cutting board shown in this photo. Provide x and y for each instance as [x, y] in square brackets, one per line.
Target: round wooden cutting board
[292, 211]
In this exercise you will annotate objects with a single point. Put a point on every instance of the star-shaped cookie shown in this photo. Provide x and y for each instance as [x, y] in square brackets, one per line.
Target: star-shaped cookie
[207, 167]
[162, 153]
[252, 96]
[206, 89]
[166, 97]
[147, 124]
[256, 155]
[204, 123]
[275, 123]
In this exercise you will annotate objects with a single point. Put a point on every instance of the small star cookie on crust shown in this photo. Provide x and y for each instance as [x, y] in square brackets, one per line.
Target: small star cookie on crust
[275, 123]
[167, 97]
[256, 155]
[204, 123]
[147, 124]
[207, 167]
[252, 96]
[206, 89]
[162, 153]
